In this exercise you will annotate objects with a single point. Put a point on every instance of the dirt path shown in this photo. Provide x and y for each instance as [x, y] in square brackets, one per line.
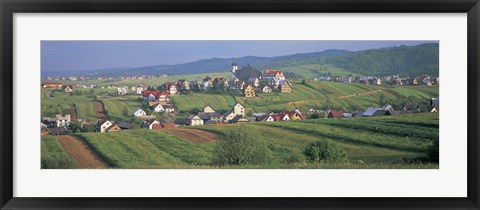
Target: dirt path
[361, 94]
[99, 107]
[81, 153]
[304, 101]
[195, 136]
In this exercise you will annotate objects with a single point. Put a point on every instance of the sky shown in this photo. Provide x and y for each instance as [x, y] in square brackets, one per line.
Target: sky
[90, 55]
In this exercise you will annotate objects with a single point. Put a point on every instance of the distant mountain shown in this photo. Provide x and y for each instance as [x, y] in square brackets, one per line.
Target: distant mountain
[401, 60]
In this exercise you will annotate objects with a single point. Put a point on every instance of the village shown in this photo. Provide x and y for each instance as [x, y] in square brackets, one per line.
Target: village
[246, 80]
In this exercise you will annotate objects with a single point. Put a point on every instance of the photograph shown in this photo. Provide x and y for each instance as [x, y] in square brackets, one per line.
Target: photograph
[239, 104]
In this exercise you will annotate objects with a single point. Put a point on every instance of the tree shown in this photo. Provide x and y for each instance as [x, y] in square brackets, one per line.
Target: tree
[324, 151]
[242, 145]
[125, 110]
[92, 91]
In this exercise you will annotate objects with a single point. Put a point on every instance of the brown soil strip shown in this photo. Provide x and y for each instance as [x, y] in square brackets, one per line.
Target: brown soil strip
[195, 136]
[81, 153]
[360, 94]
[99, 107]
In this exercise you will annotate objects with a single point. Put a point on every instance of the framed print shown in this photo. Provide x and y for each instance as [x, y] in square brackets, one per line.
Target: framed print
[239, 105]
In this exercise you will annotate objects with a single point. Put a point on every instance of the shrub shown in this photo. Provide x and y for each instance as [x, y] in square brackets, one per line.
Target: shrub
[241, 146]
[325, 151]
[433, 151]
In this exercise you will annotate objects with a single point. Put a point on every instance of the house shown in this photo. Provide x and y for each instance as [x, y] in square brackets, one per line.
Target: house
[238, 109]
[387, 107]
[122, 91]
[139, 113]
[285, 86]
[68, 89]
[62, 120]
[381, 113]
[183, 85]
[229, 116]
[249, 91]
[103, 125]
[270, 73]
[43, 129]
[124, 125]
[58, 131]
[139, 90]
[266, 118]
[370, 111]
[150, 123]
[158, 108]
[294, 115]
[173, 90]
[347, 115]
[266, 89]
[335, 114]
[415, 107]
[194, 120]
[169, 108]
[114, 128]
[435, 109]
[212, 116]
[239, 119]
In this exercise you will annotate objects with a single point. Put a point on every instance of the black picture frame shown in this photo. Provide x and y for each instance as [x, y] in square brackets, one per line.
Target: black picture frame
[10, 7]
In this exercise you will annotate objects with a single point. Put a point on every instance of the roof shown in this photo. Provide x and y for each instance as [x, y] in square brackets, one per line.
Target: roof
[336, 113]
[381, 113]
[239, 118]
[124, 125]
[136, 110]
[58, 131]
[271, 72]
[192, 116]
[370, 111]
[247, 72]
[167, 106]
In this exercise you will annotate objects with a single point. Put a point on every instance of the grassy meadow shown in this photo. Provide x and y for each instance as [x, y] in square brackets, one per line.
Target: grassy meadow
[53, 154]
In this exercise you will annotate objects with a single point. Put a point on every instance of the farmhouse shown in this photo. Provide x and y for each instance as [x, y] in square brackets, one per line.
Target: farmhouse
[239, 109]
[266, 89]
[150, 123]
[249, 91]
[62, 120]
[169, 108]
[295, 115]
[103, 125]
[266, 118]
[285, 86]
[239, 119]
[194, 120]
[68, 89]
[122, 91]
[124, 125]
[335, 114]
[275, 74]
[114, 128]
[158, 108]
[139, 113]
[229, 116]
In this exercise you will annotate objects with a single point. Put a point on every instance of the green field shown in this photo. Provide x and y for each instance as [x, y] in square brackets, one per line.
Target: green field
[380, 142]
[53, 154]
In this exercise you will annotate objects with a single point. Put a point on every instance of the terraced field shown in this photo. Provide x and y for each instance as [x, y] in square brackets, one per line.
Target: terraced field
[379, 142]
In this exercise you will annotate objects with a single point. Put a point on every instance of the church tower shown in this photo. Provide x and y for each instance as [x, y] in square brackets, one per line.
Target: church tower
[234, 69]
[234, 66]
